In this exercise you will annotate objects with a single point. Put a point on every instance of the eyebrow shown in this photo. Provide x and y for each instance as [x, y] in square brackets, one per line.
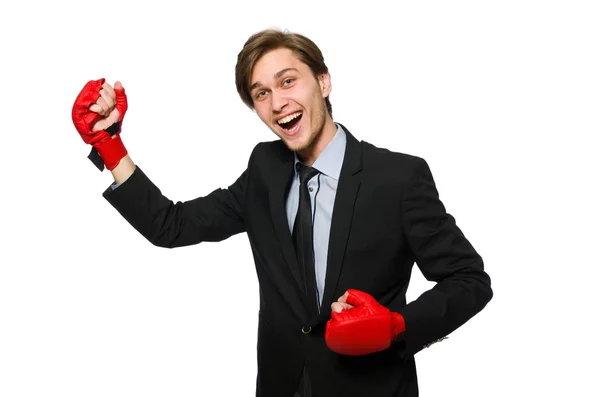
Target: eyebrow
[276, 76]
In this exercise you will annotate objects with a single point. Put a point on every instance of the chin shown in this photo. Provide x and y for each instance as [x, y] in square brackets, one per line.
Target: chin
[299, 144]
[293, 146]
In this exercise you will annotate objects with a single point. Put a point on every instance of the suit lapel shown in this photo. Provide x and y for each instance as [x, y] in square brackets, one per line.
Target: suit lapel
[343, 209]
[348, 185]
[279, 184]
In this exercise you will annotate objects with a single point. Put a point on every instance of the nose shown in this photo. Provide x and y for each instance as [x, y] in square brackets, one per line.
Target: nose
[278, 101]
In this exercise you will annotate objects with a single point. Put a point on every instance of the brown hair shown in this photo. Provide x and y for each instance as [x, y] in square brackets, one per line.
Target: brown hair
[262, 42]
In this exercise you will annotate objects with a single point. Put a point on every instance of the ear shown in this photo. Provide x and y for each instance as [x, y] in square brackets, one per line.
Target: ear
[325, 83]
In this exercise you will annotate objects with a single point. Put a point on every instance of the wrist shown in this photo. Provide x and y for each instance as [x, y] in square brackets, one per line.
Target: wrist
[123, 170]
[111, 151]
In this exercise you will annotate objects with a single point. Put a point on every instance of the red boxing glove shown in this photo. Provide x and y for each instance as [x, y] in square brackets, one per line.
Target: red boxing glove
[110, 150]
[366, 328]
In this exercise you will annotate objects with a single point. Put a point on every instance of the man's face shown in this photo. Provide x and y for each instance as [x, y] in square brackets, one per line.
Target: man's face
[289, 99]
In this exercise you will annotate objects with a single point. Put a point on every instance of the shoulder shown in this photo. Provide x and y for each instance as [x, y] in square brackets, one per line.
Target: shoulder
[378, 159]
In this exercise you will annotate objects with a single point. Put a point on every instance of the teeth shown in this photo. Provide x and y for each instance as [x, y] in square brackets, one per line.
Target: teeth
[289, 118]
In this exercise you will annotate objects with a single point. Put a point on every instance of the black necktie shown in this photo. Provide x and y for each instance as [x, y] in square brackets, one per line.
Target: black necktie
[303, 237]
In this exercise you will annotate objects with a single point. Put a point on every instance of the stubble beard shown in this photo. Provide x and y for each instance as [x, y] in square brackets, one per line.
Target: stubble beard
[314, 135]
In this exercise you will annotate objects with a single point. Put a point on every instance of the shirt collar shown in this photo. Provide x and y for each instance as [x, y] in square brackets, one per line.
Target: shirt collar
[331, 158]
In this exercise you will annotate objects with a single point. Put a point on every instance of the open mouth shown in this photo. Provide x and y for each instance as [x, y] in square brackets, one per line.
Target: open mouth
[289, 122]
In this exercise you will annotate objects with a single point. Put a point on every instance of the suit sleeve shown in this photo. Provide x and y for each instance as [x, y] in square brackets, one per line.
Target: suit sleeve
[214, 217]
[444, 256]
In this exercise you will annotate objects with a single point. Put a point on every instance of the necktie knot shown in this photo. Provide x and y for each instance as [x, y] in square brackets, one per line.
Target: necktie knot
[305, 172]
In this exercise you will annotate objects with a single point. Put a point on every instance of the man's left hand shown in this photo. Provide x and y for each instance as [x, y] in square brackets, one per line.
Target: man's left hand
[360, 325]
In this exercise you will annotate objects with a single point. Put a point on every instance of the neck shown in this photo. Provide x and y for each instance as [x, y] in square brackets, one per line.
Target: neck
[311, 153]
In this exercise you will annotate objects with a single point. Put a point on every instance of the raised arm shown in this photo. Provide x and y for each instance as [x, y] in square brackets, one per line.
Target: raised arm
[98, 114]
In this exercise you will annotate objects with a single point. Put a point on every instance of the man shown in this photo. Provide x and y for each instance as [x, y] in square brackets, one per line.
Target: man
[335, 226]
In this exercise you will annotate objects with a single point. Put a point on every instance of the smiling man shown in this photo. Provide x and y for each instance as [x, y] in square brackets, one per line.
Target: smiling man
[335, 226]
[291, 101]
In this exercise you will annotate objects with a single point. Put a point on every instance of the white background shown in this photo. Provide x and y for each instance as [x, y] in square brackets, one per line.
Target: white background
[501, 98]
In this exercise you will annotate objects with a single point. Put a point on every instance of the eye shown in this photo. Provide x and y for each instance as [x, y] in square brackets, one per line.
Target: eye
[288, 81]
[261, 94]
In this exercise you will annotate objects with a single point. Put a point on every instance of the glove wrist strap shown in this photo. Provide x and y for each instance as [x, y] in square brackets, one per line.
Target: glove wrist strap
[111, 152]
[398, 325]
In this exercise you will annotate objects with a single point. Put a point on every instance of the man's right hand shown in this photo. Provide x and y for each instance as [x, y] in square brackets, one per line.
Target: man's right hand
[97, 114]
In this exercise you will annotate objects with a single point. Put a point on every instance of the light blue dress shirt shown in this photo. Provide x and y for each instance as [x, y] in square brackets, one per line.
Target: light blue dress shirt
[322, 189]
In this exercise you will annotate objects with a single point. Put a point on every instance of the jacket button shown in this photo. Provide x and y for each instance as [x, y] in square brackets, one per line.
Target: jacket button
[306, 329]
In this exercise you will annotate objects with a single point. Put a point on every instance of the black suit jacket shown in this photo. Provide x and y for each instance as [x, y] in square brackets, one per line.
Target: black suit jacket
[387, 216]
